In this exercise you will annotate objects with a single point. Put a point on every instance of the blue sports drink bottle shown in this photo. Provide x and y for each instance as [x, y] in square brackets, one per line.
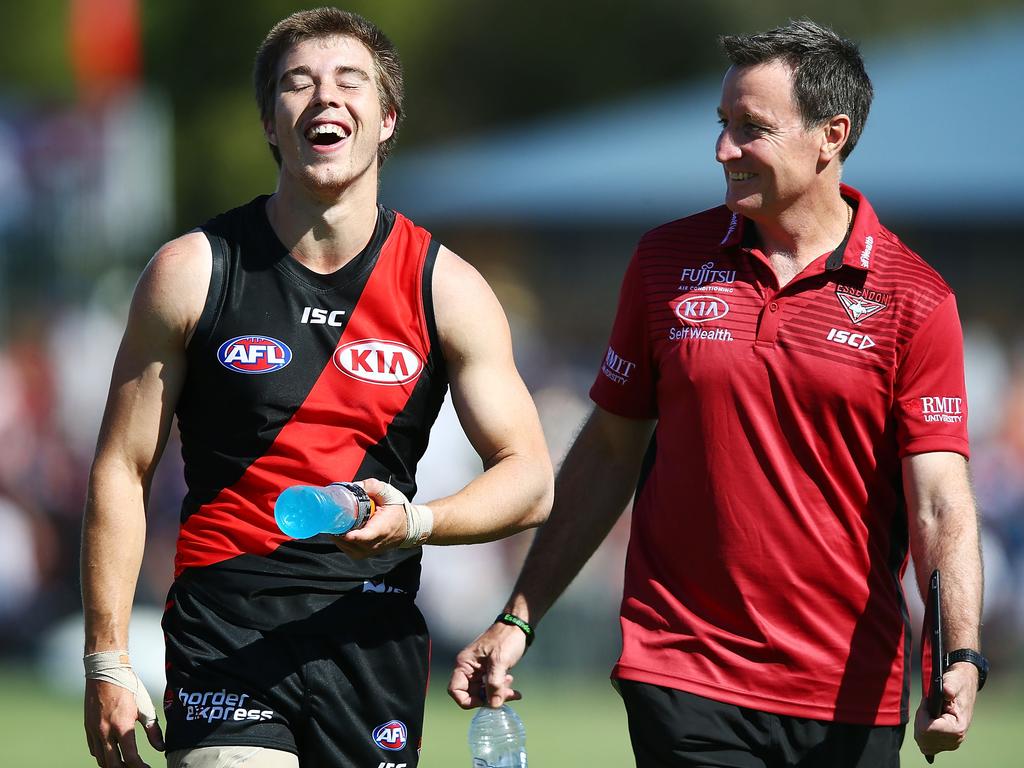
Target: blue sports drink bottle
[303, 511]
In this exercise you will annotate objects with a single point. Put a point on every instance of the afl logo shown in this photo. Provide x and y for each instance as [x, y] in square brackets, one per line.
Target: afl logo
[377, 361]
[254, 354]
[391, 736]
[701, 309]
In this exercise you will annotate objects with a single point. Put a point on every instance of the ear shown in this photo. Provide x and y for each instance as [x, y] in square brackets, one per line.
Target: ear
[387, 125]
[834, 134]
[269, 131]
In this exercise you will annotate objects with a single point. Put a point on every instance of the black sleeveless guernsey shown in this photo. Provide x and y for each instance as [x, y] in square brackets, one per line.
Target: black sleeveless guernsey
[299, 378]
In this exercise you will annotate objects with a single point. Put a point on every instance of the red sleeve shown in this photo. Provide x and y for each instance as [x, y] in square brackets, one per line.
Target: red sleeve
[931, 397]
[625, 384]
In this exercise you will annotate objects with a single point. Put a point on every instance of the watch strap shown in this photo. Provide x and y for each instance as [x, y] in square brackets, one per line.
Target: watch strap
[971, 656]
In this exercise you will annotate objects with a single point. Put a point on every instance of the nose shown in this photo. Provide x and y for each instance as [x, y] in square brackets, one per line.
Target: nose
[725, 148]
[327, 93]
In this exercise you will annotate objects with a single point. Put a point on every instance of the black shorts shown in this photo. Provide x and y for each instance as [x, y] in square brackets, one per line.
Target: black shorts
[353, 696]
[671, 729]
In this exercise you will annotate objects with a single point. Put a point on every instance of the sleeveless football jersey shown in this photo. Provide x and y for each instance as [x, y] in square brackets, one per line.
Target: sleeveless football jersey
[294, 377]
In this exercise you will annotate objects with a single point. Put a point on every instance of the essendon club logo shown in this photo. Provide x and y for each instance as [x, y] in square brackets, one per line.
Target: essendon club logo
[377, 361]
[861, 304]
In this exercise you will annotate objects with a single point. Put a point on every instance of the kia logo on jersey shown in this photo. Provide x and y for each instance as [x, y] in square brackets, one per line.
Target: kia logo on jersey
[391, 736]
[701, 309]
[377, 361]
[254, 354]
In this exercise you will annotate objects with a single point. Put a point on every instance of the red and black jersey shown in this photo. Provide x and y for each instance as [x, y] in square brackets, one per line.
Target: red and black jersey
[770, 533]
[294, 377]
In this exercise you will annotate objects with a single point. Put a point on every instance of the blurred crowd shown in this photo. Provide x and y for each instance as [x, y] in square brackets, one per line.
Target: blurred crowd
[54, 370]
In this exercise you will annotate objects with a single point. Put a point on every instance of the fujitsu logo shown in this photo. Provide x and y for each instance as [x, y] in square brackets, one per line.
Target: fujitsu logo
[377, 361]
[944, 409]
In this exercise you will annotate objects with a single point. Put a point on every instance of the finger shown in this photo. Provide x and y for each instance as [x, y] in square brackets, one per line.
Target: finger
[111, 755]
[130, 750]
[155, 735]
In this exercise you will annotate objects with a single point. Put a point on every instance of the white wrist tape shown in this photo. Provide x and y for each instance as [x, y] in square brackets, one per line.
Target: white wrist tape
[115, 667]
[419, 521]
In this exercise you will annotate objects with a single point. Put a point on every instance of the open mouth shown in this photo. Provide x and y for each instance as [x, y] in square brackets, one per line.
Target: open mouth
[326, 134]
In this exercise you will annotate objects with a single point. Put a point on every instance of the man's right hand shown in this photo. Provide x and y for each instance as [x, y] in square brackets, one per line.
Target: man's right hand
[481, 677]
[110, 716]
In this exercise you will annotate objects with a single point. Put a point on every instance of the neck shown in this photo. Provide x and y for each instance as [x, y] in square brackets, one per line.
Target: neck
[805, 231]
[324, 229]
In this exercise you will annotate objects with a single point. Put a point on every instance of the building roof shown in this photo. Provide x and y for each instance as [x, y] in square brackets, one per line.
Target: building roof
[942, 143]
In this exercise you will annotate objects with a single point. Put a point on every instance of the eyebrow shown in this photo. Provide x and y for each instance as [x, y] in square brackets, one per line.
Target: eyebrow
[302, 69]
[752, 116]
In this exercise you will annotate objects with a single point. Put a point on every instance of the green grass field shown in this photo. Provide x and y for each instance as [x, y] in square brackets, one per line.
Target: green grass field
[568, 722]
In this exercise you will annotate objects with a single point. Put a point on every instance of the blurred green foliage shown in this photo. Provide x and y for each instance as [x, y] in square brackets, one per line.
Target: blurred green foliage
[471, 65]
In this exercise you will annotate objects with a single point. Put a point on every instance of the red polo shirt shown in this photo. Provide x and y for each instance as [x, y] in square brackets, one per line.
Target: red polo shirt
[769, 534]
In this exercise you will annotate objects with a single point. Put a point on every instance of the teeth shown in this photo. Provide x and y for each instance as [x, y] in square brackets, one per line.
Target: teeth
[319, 130]
[740, 176]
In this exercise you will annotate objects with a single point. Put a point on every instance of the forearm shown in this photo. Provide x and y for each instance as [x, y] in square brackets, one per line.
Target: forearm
[945, 535]
[113, 540]
[513, 494]
[592, 489]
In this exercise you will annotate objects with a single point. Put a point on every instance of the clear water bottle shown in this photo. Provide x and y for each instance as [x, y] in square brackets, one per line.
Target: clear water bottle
[302, 511]
[497, 738]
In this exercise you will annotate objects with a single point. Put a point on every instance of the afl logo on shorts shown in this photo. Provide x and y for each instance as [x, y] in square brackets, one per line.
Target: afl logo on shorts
[391, 736]
[377, 361]
[254, 354]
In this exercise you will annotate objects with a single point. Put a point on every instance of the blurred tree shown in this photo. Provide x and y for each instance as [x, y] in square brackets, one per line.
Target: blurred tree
[471, 66]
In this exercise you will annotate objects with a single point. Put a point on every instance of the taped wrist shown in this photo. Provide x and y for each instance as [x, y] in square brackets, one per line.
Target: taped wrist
[419, 521]
[115, 667]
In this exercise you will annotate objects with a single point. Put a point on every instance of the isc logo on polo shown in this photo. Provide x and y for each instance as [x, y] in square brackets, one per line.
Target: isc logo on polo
[855, 340]
[254, 354]
[391, 736]
[377, 361]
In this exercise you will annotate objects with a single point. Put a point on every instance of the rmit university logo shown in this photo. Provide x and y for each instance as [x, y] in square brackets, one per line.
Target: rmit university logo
[391, 736]
[254, 354]
[945, 409]
[701, 309]
[377, 361]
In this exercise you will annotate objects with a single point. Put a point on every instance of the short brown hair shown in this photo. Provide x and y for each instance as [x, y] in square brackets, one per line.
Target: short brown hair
[320, 23]
[828, 71]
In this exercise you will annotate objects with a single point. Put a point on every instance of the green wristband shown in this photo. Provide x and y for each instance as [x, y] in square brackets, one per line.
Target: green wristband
[515, 621]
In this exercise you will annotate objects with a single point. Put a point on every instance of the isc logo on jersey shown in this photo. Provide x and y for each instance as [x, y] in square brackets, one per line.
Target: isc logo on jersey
[377, 361]
[391, 736]
[254, 354]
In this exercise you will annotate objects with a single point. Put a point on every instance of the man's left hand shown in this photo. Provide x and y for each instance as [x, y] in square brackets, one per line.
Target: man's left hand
[948, 731]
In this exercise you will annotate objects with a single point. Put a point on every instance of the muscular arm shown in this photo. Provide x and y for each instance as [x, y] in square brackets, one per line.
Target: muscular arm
[944, 535]
[591, 491]
[147, 377]
[495, 410]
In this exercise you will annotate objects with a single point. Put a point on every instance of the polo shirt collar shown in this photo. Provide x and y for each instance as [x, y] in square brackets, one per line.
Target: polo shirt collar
[855, 251]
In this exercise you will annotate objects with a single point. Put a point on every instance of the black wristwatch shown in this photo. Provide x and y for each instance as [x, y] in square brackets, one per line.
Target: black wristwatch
[973, 657]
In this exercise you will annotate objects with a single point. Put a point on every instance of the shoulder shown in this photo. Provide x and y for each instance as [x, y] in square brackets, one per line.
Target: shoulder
[453, 274]
[708, 228]
[909, 270]
[172, 288]
[465, 307]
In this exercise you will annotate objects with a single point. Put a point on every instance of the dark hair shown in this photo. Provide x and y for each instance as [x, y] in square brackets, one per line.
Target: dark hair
[320, 23]
[828, 71]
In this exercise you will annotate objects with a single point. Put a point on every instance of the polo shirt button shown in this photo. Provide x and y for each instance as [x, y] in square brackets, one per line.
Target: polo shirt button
[774, 306]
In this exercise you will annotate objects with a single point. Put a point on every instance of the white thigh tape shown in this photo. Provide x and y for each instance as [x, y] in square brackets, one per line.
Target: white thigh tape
[115, 667]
